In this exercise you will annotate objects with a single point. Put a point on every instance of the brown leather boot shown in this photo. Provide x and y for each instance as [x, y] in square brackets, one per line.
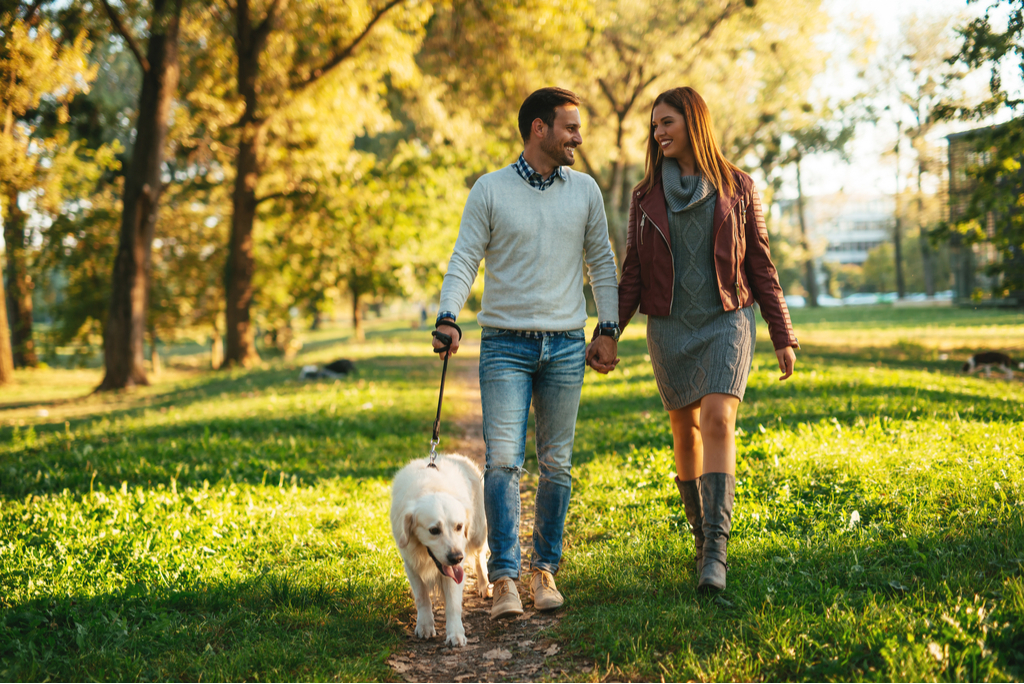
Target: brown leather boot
[689, 492]
[717, 491]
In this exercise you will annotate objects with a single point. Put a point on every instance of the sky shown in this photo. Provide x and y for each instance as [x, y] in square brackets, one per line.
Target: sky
[872, 169]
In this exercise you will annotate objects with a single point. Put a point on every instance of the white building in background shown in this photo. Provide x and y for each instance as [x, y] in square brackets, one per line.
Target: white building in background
[843, 228]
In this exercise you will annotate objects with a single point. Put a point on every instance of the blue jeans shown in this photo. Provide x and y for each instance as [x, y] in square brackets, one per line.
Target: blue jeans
[515, 370]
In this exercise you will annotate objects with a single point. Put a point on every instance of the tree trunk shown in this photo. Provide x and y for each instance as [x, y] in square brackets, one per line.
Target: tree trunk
[20, 294]
[617, 212]
[124, 337]
[241, 264]
[358, 331]
[928, 262]
[154, 355]
[6, 358]
[811, 272]
[897, 228]
[927, 256]
[216, 350]
[897, 243]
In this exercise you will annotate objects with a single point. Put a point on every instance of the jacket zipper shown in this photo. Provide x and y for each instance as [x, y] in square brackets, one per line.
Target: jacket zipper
[739, 231]
[643, 217]
[672, 296]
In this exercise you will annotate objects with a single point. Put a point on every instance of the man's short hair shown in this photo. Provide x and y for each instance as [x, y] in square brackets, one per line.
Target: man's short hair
[541, 105]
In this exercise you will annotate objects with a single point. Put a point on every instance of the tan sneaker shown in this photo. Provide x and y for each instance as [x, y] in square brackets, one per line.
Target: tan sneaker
[506, 599]
[544, 592]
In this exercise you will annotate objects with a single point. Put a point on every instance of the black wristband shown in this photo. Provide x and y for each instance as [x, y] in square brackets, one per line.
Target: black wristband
[452, 324]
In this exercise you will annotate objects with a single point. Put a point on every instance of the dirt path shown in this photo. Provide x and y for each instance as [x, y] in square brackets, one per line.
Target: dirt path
[498, 651]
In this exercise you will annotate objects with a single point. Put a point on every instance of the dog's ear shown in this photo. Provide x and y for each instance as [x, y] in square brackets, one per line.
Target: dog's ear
[408, 524]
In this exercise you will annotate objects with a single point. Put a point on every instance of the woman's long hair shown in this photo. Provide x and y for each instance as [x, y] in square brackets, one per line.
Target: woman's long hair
[697, 119]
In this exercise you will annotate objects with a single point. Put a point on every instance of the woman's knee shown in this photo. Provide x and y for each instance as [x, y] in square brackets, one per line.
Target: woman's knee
[718, 421]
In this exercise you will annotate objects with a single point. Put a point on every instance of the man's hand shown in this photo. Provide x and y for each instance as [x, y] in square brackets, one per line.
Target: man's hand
[787, 360]
[601, 354]
[450, 332]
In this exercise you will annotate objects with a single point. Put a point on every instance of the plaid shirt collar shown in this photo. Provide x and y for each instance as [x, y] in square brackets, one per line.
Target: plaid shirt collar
[527, 173]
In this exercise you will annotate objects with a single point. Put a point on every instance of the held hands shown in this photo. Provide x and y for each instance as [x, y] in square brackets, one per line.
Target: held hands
[787, 360]
[601, 354]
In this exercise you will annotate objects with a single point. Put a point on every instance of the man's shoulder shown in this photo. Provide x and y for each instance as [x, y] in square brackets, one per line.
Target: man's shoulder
[505, 174]
[581, 180]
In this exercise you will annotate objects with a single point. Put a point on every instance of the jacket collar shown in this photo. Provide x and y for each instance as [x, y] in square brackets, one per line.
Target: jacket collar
[655, 207]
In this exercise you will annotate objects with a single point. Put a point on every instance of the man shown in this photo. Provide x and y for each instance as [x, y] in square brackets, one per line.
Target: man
[533, 222]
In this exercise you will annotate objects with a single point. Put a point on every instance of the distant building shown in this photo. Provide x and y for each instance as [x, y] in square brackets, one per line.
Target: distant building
[842, 227]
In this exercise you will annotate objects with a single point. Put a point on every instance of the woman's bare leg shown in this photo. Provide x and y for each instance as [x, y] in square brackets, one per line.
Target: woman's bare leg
[686, 441]
[717, 431]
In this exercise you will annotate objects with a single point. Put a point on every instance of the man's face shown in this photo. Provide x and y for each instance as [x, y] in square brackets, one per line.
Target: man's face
[563, 136]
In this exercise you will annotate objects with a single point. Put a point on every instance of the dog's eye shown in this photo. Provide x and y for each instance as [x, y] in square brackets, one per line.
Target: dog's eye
[435, 530]
[458, 528]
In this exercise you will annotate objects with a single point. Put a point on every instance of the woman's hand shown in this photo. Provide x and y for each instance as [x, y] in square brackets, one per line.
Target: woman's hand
[601, 354]
[787, 359]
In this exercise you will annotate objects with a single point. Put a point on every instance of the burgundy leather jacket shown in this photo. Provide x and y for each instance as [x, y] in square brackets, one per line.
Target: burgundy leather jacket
[743, 261]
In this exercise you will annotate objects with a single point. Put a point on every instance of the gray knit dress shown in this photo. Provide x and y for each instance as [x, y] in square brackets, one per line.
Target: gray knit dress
[699, 348]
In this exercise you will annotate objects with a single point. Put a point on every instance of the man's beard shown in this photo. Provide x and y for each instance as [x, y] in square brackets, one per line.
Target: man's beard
[556, 151]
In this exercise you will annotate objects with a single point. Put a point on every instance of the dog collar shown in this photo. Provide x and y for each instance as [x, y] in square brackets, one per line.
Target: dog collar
[436, 562]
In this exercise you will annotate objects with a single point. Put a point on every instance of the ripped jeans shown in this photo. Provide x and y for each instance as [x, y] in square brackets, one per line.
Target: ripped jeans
[515, 370]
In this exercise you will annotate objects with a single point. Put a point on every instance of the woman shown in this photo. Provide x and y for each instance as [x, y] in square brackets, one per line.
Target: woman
[696, 260]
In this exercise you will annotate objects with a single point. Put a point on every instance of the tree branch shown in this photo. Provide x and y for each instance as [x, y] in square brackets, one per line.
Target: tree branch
[263, 30]
[115, 20]
[30, 13]
[592, 171]
[729, 10]
[345, 53]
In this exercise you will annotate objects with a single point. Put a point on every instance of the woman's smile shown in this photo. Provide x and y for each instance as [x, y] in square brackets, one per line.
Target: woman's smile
[670, 131]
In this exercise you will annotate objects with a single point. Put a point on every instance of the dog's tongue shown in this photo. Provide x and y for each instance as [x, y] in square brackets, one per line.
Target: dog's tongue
[453, 571]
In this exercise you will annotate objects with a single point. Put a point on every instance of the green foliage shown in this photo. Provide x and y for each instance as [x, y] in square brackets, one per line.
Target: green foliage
[878, 274]
[998, 187]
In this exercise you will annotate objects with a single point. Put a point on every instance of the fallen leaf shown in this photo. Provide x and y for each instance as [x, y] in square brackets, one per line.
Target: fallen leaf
[552, 650]
[498, 654]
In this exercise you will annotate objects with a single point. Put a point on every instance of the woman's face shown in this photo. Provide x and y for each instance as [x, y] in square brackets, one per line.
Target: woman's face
[670, 132]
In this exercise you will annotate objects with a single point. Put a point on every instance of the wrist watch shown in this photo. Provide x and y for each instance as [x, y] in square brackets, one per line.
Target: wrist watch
[610, 331]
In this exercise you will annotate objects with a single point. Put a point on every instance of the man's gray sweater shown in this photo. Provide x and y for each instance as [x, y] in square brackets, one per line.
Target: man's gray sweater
[533, 243]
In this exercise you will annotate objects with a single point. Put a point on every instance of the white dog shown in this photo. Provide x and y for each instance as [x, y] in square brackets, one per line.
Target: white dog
[438, 519]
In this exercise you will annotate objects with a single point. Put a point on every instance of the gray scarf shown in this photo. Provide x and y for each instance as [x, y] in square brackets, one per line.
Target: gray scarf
[683, 192]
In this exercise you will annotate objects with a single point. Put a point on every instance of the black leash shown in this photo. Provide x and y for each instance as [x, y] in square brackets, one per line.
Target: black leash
[446, 340]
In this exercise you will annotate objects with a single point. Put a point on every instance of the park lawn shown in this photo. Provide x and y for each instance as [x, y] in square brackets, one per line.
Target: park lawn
[234, 526]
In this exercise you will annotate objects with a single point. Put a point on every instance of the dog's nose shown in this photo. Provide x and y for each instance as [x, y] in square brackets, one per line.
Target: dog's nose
[455, 557]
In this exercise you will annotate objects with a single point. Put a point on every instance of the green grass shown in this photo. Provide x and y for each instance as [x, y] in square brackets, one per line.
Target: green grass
[228, 526]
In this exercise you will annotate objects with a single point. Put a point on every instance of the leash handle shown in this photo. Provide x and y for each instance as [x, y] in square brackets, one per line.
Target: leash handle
[446, 340]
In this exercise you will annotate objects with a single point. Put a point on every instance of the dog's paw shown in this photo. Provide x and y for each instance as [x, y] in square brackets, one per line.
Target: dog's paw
[426, 631]
[483, 589]
[457, 639]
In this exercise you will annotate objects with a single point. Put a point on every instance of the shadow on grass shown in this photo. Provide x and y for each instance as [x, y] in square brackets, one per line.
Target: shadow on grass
[270, 627]
[250, 450]
[227, 384]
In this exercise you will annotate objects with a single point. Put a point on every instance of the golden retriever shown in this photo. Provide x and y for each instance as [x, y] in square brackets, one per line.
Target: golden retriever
[438, 520]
